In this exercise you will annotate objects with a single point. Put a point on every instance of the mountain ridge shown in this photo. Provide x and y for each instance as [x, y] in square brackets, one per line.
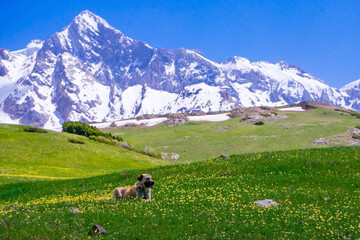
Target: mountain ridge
[91, 71]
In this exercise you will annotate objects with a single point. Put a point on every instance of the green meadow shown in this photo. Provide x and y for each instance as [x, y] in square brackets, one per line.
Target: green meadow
[40, 156]
[198, 141]
[318, 191]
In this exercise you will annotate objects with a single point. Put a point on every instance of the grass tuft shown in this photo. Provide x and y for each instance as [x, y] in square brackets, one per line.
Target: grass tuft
[35, 129]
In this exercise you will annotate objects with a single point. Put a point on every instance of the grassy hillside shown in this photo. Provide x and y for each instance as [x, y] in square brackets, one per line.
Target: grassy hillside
[200, 141]
[319, 192]
[50, 155]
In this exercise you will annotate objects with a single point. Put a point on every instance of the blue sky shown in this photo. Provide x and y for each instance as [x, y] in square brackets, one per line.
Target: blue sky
[322, 37]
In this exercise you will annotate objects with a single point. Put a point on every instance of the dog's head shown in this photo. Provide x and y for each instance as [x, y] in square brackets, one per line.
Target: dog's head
[146, 179]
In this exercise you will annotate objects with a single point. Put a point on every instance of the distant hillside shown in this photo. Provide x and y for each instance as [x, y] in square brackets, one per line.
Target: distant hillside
[322, 125]
[51, 156]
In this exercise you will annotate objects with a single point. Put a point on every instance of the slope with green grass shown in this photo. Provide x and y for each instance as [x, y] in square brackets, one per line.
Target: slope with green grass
[319, 192]
[52, 156]
[196, 141]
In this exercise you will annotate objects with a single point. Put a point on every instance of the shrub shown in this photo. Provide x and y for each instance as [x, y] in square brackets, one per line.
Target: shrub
[275, 113]
[73, 140]
[126, 145]
[356, 136]
[265, 114]
[259, 123]
[80, 128]
[356, 114]
[86, 130]
[103, 140]
[340, 110]
[152, 152]
[35, 129]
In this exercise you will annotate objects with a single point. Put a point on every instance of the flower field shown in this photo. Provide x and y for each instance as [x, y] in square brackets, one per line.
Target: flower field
[318, 191]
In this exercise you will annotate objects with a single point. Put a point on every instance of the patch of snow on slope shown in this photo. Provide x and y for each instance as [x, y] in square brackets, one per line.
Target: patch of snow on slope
[170, 70]
[19, 65]
[156, 102]
[131, 99]
[351, 86]
[210, 118]
[292, 109]
[155, 121]
[5, 118]
[198, 97]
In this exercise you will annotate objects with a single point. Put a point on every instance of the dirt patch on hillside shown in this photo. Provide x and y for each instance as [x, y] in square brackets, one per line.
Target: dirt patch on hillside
[345, 139]
[222, 128]
[261, 116]
[308, 105]
[293, 125]
[259, 137]
[176, 119]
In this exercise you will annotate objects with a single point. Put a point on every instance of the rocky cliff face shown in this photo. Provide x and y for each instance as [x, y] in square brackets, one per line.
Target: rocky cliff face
[92, 72]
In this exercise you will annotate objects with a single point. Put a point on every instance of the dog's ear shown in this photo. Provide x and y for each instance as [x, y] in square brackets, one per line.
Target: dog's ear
[140, 177]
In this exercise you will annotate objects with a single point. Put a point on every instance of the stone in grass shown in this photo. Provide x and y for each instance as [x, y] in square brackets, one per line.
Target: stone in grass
[224, 156]
[97, 230]
[74, 210]
[266, 203]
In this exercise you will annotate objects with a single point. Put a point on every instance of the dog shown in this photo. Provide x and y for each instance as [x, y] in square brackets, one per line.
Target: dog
[141, 189]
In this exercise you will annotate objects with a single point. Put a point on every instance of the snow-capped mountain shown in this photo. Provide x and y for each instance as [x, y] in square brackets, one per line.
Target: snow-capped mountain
[351, 93]
[91, 71]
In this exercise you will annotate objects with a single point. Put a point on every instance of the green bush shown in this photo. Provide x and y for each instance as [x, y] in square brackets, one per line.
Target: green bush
[355, 114]
[73, 140]
[152, 152]
[275, 113]
[80, 128]
[35, 129]
[358, 126]
[356, 136]
[103, 140]
[265, 114]
[340, 110]
[259, 123]
[126, 145]
[86, 130]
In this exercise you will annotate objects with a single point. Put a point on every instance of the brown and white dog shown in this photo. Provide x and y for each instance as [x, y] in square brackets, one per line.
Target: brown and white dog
[141, 189]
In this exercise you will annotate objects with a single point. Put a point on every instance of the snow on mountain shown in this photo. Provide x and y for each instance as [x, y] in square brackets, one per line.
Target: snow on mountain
[91, 71]
[351, 93]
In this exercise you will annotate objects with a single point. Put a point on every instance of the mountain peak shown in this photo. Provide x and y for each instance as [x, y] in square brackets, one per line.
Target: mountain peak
[89, 20]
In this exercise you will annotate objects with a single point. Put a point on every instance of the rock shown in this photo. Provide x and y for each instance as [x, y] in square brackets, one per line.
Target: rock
[221, 128]
[265, 108]
[129, 125]
[237, 112]
[266, 203]
[253, 117]
[74, 210]
[4, 53]
[176, 119]
[97, 230]
[164, 155]
[148, 116]
[3, 70]
[175, 156]
[355, 131]
[320, 141]
[224, 155]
